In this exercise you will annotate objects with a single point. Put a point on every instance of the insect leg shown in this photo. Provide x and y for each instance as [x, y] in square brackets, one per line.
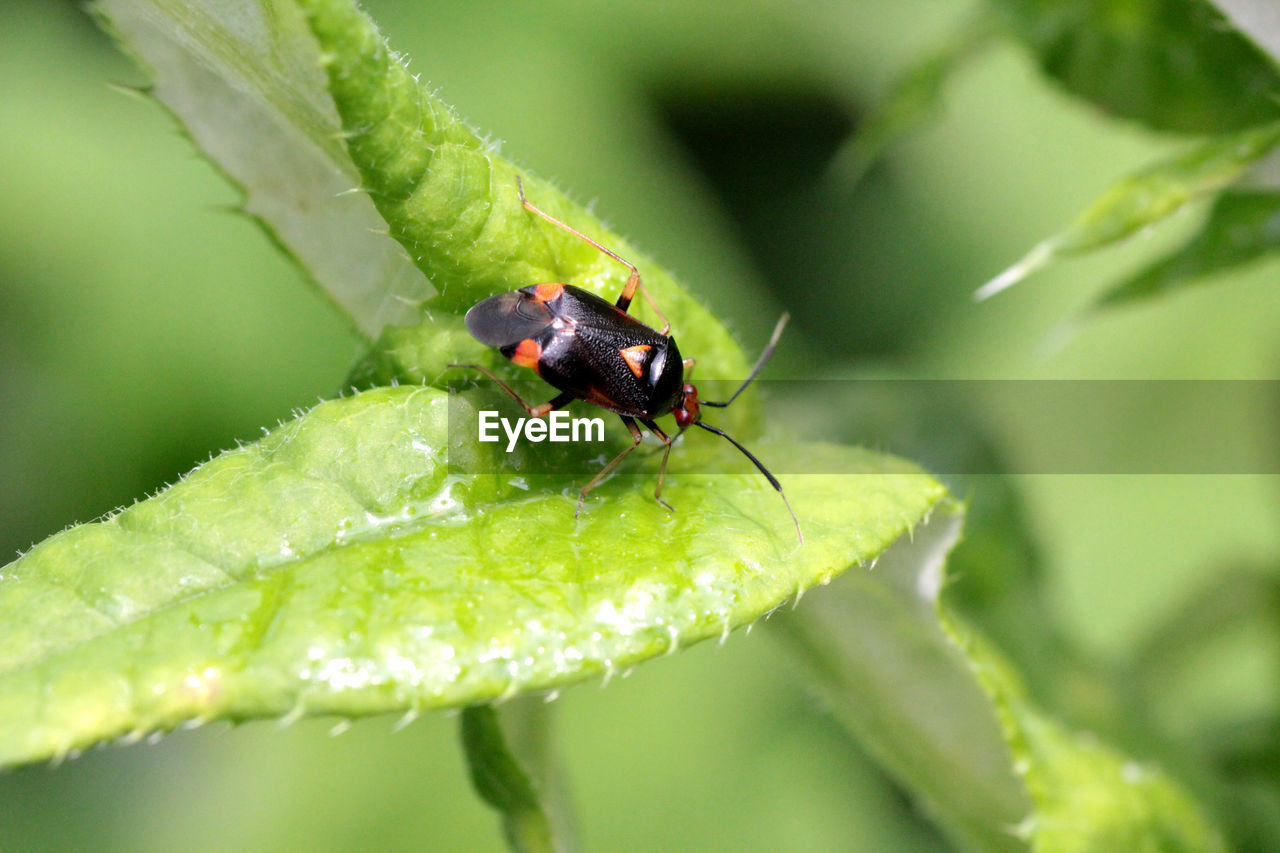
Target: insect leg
[668, 440]
[538, 411]
[636, 438]
[633, 281]
[644, 291]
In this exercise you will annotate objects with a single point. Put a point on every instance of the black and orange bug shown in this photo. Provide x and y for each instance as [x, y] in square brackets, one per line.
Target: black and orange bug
[592, 349]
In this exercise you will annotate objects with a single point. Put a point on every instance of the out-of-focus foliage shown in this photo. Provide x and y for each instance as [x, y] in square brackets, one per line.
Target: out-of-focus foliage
[1173, 65]
[1156, 193]
[1241, 226]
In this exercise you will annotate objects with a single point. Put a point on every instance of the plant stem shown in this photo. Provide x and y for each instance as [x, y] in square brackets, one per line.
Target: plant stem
[513, 770]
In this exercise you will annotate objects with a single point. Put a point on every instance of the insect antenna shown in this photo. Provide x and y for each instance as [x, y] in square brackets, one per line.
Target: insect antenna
[760, 363]
[773, 481]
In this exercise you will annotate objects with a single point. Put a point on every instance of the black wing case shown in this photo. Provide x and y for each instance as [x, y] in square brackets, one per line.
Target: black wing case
[507, 319]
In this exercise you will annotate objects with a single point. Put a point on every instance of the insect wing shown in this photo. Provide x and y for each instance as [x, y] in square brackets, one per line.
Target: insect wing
[508, 318]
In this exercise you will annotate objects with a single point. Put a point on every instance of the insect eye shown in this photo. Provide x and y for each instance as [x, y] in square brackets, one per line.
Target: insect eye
[656, 364]
[687, 412]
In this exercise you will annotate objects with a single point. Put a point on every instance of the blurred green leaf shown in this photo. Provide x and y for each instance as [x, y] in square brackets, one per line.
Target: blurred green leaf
[1180, 651]
[1087, 796]
[1171, 64]
[1256, 19]
[876, 650]
[1247, 754]
[242, 78]
[1001, 581]
[1143, 199]
[947, 715]
[1241, 227]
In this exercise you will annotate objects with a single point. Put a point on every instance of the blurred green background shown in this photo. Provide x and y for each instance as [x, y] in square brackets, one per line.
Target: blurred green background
[144, 326]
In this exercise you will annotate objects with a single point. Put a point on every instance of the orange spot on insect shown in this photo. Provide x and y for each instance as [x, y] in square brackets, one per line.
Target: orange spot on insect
[634, 357]
[548, 291]
[527, 353]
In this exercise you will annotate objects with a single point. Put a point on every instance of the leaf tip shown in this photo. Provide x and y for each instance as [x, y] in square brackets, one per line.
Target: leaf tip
[1030, 262]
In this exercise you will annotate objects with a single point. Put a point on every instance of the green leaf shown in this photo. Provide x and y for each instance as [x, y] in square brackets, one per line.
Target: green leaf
[1143, 199]
[874, 646]
[360, 559]
[247, 82]
[454, 204]
[1256, 20]
[1172, 64]
[452, 201]
[1087, 796]
[945, 713]
[242, 78]
[1241, 227]
[340, 566]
